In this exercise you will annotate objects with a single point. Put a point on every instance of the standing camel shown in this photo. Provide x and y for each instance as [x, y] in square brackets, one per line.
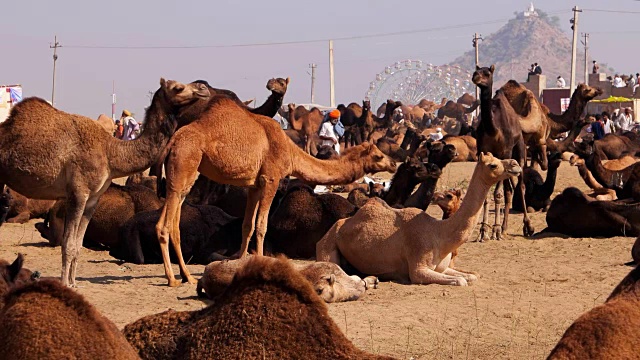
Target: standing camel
[230, 145]
[77, 164]
[499, 132]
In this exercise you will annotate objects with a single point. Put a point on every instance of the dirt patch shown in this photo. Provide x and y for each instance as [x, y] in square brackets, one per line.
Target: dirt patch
[528, 293]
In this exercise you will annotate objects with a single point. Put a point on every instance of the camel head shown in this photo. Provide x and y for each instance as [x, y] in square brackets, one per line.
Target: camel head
[292, 107]
[433, 171]
[376, 189]
[178, 94]
[584, 148]
[374, 160]
[278, 85]
[483, 76]
[14, 274]
[366, 105]
[447, 200]
[588, 92]
[496, 170]
[332, 284]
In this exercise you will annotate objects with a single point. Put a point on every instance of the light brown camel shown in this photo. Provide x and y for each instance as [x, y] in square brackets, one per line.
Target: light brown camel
[307, 125]
[448, 201]
[269, 311]
[466, 146]
[258, 156]
[608, 331]
[107, 123]
[329, 281]
[46, 320]
[77, 164]
[408, 245]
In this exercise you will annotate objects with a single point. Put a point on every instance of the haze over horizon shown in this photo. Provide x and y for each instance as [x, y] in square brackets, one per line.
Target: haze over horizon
[85, 75]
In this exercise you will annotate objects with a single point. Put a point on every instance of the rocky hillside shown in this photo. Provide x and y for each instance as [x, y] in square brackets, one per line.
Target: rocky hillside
[522, 42]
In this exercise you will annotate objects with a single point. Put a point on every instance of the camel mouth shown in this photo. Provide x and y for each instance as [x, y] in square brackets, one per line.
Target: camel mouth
[514, 172]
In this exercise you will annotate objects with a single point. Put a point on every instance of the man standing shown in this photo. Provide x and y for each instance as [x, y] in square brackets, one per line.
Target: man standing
[596, 67]
[327, 132]
[131, 126]
[560, 82]
[597, 128]
[608, 125]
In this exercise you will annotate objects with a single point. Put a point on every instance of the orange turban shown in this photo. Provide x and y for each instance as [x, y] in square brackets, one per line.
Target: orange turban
[334, 114]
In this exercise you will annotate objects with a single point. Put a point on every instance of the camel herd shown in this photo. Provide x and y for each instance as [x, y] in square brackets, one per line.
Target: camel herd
[226, 193]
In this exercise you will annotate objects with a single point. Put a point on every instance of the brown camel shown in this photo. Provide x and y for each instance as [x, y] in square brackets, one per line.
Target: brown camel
[46, 320]
[22, 209]
[599, 192]
[409, 174]
[456, 110]
[408, 245]
[614, 146]
[499, 132]
[141, 179]
[107, 123]
[307, 125]
[329, 281]
[635, 251]
[78, 164]
[568, 144]
[258, 157]
[467, 99]
[608, 331]
[12, 275]
[266, 300]
[533, 120]
[117, 205]
[538, 192]
[564, 122]
[448, 201]
[466, 146]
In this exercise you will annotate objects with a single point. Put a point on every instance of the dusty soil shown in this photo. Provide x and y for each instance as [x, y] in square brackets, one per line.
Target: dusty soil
[528, 293]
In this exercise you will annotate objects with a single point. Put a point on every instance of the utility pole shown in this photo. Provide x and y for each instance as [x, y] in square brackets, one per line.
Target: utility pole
[332, 91]
[586, 62]
[313, 82]
[55, 47]
[574, 48]
[113, 102]
[476, 38]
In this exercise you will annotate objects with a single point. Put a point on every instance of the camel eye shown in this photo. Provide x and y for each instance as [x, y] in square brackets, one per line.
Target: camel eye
[493, 166]
[449, 196]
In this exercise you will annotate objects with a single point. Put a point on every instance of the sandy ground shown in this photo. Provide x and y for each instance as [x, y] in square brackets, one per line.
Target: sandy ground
[528, 293]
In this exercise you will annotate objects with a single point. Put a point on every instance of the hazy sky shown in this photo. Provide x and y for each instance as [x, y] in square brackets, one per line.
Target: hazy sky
[84, 76]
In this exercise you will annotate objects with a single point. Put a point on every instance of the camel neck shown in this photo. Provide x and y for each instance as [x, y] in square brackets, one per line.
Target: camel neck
[127, 157]
[402, 184]
[344, 170]
[569, 117]
[270, 106]
[550, 182]
[486, 118]
[601, 174]
[296, 124]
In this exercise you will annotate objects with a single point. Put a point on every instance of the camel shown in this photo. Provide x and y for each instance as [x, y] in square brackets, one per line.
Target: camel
[258, 157]
[466, 146]
[47, 320]
[499, 132]
[456, 110]
[107, 123]
[374, 123]
[329, 281]
[568, 144]
[22, 209]
[599, 192]
[608, 331]
[635, 251]
[613, 147]
[574, 214]
[13, 275]
[538, 192]
[448, 201]
[302, 219]
[467, 99]
[78, 164]
[408, 245]
[440, 155]
[267, 299]
[409, 174]
[533, 121]
[354, 118]
[307, 125]
[117, 205]
[150, 182]
[564, 122]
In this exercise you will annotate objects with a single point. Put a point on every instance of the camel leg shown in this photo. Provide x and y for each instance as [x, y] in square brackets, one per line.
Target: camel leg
[508, 200]
[497, 198]
[544, 160]
[327, 247]
[527, 228]
[267, 194]
[466, 275]
[74, 209]
[249, 222]
[484, 231]
[427, 276]
[163, 231]
[21, 218]
[89, 210]
[174, 237]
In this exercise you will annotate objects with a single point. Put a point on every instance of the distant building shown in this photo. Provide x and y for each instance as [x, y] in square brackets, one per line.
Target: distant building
[531, 11]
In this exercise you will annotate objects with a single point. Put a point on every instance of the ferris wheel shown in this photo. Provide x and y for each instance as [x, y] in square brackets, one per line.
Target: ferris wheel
[410, 81]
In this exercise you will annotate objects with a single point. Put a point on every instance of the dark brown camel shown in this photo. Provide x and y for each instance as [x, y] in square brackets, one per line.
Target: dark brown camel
[409, 174]
[440, 154]
[22, 209]
[13, 275]
[608, 331]
[538, 192]
[267, 299]
[354, 119]
[567, 144]
[564, 122]
[78, 164]
[499, 133]
[614, 146]
[575, 214]
[47, 320]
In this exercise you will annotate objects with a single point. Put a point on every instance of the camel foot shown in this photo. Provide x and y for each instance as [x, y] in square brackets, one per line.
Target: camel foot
[497, 232]
[530, 209]
[371, 282]
[483, 235]
[471, 278]
[528, 230]
[460, 281]
[174, 283]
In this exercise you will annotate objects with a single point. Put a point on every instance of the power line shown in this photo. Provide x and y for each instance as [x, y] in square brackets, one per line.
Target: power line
[613, 11]
[354, 37]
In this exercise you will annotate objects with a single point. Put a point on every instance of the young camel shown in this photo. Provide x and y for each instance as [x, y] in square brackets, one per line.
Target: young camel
[499, 132]
[408, 245]
[257, 156]
[77, 164]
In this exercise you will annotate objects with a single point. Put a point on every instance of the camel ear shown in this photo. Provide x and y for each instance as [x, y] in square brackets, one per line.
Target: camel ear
[458, 193]
[481, 157]
[287, 81]
[477, 67]
[492, 68]
[331, 279]
[163, 83]
[15, 268]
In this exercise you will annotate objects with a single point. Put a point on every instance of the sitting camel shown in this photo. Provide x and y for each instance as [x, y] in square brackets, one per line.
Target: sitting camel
[258, 157]
[107, 123]
[608, 331]
[537, 192]
[408, 245]
[22, 209]
[46, 320]
[575, 214]
[439, 155]
[77, 165]
[465, 146]
[329, 281]
[409, 174]
[13, 275]
[266, 300]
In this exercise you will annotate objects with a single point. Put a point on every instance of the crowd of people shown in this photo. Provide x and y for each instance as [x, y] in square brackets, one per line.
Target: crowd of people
[618, 122]
[127, 127]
